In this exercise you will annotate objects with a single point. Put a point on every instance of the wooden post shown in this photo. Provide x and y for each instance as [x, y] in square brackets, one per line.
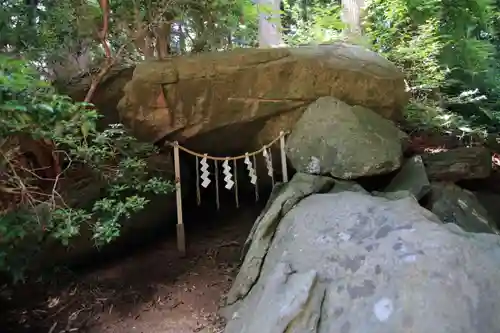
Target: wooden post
[181, 237]
[237, 199]
[284, 169]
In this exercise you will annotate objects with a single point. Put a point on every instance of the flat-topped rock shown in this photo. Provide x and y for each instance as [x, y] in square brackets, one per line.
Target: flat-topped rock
[252, 94]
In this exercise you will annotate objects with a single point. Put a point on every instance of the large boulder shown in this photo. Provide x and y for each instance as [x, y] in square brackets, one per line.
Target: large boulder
[349, 262]
[347, 142]
[252, 94]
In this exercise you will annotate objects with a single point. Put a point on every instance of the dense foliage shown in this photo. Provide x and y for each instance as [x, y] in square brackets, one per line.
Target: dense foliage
[449, 51]
[49, 144]
[38, 125]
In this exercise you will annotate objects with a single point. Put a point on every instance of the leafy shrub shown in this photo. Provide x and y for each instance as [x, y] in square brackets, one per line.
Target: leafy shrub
[448, 53]
[322, 25]
[33, 207]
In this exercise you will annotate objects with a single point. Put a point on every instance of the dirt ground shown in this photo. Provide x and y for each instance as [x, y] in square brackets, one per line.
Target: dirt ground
[155, 291]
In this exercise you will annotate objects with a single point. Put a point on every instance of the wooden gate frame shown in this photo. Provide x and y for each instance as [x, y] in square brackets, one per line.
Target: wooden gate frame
[181, 236]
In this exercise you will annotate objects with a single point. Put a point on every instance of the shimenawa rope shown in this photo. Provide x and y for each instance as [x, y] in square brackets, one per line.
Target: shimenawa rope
[230, 183]
[250, 161]
[216, 158]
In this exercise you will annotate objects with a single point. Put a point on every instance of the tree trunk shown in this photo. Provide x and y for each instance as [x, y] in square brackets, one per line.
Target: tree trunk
[149, 51]
[182, 39]
[162, 35]
[229, 44]
[351, 16]
[269, 23]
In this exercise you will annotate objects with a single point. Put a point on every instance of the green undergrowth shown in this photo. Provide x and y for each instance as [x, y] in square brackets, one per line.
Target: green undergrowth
[37, 126]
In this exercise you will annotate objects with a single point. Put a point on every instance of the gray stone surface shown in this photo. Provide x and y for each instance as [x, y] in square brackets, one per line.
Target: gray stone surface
[345, 141]
[412, 178]
[453, 204]
[353, 263]
[491, 202]
[341, 185]
[395, 195]
[281, 201]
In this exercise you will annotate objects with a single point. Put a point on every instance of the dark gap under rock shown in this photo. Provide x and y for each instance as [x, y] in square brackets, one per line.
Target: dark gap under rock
[376, 183]
[197, 218]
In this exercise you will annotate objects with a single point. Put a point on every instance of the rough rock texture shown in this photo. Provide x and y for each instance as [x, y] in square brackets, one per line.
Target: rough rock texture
[457, 164]
[412, 178]
[341, 185]
[108, 94]
[491, 202]
[344, 141]
[453, 204]
[490, 184]
[242, 92]
[282, 200]
[395, 195]
[352, 263]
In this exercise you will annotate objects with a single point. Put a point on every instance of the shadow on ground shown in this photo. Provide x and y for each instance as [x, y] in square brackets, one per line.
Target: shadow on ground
[151, 289]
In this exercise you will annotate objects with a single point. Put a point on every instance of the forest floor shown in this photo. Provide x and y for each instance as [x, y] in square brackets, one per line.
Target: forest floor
[155, 291]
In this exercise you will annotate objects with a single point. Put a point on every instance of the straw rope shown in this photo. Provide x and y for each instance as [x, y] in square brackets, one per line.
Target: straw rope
[230, 184]
[233, 158]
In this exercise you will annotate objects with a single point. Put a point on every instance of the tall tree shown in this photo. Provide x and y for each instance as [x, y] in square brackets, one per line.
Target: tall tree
[351, 16]
[269, 23]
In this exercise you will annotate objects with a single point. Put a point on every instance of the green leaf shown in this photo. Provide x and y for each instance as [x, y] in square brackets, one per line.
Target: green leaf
[85, 129]
[45, 107]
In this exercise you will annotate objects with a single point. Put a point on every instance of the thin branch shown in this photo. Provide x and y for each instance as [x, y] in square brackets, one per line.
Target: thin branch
[105, 26]
[109, 62]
